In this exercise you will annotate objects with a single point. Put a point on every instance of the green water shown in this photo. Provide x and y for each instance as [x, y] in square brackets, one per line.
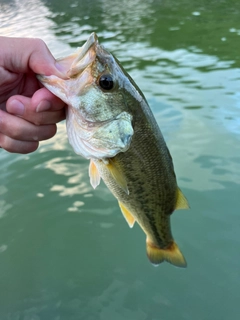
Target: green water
[66, 253]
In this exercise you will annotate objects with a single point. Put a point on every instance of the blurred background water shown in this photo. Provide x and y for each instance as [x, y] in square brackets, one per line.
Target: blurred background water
[66, 253]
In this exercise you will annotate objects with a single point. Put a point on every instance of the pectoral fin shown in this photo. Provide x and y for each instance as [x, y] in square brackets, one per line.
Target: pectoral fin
[127, 215]
[94, 175]
[181, 202]
[117, 175]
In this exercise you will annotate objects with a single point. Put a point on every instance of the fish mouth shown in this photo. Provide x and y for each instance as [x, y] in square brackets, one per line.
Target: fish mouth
[76, 73]
[84, 56]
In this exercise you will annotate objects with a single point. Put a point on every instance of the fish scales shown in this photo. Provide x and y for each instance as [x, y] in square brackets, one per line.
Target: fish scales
[110, 123]
[151, 190]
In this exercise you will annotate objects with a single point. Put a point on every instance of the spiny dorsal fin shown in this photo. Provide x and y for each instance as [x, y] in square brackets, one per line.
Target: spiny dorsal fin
[181, 202]
[127, 215]
[94, 174]
[117, 175]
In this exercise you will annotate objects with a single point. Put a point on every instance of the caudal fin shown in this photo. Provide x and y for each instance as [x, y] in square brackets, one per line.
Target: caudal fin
[172, 254]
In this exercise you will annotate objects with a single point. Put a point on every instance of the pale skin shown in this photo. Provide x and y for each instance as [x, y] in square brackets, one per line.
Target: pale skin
[28, 112]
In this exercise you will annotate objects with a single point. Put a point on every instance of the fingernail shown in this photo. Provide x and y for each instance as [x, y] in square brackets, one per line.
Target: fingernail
[16, 107]
[43, 106]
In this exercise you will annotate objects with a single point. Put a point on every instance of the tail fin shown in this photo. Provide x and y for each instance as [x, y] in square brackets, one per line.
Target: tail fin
[172, 254]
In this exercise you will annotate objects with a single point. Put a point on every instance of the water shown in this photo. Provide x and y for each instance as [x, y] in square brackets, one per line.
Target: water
[66, 253]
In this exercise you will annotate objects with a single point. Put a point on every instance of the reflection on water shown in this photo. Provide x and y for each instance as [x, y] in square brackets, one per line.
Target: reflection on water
[121, 20]
[68, 191]
[16, 18]
[4, 206]
[65, 250]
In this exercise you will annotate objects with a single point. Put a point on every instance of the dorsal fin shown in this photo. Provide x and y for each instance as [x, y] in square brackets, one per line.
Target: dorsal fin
[94, 174]
[127, 215]
[181, 202]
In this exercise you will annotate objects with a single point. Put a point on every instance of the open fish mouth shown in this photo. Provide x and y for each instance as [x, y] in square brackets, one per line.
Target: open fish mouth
[84, 56]
[74, 78]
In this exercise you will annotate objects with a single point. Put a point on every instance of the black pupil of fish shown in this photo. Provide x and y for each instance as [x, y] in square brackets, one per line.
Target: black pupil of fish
[106, 82]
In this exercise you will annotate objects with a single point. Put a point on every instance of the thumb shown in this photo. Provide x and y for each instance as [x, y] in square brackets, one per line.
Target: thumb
[41, 61]
[23, 55]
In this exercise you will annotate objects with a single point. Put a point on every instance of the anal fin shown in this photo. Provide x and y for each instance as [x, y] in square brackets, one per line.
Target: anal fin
[127, 215]
[181, 202]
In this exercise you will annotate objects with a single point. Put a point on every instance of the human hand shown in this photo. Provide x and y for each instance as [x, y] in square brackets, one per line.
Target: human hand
[28, 112]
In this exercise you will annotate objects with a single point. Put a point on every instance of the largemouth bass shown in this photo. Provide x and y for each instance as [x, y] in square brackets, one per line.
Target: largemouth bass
[110, 123]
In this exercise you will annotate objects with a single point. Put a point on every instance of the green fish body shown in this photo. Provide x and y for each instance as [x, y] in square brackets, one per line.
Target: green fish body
[110, 123]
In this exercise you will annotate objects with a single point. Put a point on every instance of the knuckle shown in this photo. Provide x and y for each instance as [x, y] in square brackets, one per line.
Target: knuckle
[44, 132]
[15, 134]
[38, 120]
[8, 126]
[49, 131]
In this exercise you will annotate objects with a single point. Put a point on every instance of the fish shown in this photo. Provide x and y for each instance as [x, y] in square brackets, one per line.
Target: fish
[110, 123]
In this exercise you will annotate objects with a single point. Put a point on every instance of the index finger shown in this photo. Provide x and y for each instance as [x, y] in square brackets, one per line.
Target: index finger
[42, 100]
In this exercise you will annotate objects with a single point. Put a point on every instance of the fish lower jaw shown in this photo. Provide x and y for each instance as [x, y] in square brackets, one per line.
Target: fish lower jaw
[88, 151]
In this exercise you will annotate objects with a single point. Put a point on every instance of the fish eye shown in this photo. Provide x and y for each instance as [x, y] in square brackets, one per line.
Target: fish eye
[106, 82]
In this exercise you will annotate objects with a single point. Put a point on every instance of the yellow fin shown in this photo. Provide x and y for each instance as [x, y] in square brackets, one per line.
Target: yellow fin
[127, 215]
[172, 254]
[94, 174]
[181, 202]
[117, 175]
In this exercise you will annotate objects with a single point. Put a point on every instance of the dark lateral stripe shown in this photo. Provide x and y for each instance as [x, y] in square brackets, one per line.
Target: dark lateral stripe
[152, 223]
